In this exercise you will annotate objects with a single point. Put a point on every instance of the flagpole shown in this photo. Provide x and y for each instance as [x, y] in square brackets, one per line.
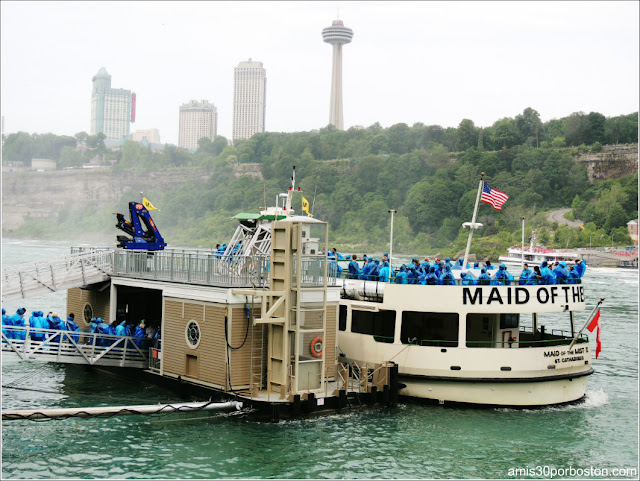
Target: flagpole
[585, 324]
[473, 222]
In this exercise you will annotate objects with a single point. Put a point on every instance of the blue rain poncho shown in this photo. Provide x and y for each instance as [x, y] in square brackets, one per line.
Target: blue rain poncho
[483, 278]
[580, 267]
[547, 276]
[412, 277]
[383, 274]
[561, 273]
[72, 326]
[524, 276]
[432, 278]
[401, 277]
[447, 277]
[41, 324]
[354, 270]
[121, 330]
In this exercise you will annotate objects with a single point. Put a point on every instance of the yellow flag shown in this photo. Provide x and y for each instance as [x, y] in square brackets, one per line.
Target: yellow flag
[148, 205]
[305, 206]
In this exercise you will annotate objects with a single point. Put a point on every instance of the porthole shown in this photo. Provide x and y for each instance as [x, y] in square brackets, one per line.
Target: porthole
[192, 334]
[87, 313]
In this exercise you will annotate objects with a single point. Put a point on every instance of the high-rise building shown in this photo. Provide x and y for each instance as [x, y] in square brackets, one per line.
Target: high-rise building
[337, 35]
[112, 110]
[197, 120]
[249, 99]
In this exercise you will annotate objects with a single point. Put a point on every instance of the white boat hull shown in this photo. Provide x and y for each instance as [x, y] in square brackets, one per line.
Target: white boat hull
[520, 394]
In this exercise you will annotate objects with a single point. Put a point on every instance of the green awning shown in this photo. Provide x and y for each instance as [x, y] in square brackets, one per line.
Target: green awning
[247, 216]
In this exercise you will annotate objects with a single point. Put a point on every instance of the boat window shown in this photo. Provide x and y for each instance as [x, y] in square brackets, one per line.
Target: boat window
[429, 328]
[380, 324]
[342, 320]
[509, 321]
[480, 330]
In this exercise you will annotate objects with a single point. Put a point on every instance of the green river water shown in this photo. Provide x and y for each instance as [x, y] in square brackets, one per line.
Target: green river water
[413, 441]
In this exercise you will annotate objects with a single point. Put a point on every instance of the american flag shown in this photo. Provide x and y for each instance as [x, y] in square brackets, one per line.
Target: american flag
[493, 197]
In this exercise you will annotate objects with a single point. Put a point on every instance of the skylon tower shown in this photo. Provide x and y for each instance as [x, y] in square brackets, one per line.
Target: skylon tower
[337, 35]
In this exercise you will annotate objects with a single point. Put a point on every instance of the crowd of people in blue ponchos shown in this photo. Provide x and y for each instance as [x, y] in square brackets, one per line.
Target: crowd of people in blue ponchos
[440, 272]
[41, 327]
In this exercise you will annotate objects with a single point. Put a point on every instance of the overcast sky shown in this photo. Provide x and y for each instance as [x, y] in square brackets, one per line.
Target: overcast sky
[429, 62]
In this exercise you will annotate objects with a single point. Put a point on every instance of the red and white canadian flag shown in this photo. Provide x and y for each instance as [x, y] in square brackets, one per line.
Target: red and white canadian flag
[595, 322]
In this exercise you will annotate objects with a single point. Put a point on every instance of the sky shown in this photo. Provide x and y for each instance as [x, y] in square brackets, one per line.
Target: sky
[429, 62]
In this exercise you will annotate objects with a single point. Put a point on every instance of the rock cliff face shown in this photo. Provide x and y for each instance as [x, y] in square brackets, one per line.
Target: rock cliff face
[41, 194]
[612, 162]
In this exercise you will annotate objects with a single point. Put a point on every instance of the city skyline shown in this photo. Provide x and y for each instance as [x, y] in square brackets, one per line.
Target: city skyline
[429, 62]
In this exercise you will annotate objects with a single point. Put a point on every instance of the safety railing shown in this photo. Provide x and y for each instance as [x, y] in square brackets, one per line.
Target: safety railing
[193, 267]
[74, 270]
[75, 347]
[457, 282]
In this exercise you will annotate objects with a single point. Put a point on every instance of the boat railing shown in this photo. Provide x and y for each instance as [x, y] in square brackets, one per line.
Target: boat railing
[78, 347]
[459, 282]
[193, 267]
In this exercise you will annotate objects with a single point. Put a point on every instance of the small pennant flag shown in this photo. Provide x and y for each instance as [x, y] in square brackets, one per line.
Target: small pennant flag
[305, 206]
[595, 322]
[493, 197]
[148, 205]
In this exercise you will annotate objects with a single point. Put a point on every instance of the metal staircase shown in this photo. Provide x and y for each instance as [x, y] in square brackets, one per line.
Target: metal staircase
[74, 270]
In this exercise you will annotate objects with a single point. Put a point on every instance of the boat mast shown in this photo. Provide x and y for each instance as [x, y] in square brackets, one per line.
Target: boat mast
[473, 222]
[522, 252]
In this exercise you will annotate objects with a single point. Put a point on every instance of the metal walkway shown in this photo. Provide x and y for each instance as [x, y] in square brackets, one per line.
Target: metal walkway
[76, 347]
[74, 270]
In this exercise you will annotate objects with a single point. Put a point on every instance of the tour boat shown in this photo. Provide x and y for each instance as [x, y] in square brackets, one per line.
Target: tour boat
[536, 255]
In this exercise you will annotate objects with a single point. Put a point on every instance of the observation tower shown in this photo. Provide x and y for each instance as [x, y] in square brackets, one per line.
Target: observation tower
[337, 35]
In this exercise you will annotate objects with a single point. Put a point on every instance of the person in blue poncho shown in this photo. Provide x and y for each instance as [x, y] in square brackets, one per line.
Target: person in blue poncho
[6, 322]
[375, 269]
[72, 326]
[580, 267]
[483, 278]
[561, 273]
[401, 276]
[383, 274]
[509, 280]
[19, 321]
[447, 262]
[40, 324]
[447, 277]
[573, 275]
[524, 275]
[140, 333]
[104, 328]
[547, 275]
[366, 268]
[354, 268]
[412, 276]
[57, 324]
[432, 278]
[467, 279]
[121, 329]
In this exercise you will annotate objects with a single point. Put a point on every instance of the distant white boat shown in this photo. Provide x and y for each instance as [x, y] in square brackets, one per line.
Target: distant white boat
[536, 255]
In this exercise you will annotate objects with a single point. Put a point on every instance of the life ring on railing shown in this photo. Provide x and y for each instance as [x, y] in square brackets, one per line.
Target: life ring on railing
[316, 347]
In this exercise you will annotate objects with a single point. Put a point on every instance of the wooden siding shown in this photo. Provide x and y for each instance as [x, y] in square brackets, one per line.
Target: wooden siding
[78, 297]
[331, 357]
[211, 352]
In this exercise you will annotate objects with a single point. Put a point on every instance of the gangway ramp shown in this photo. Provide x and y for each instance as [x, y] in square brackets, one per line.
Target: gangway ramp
[73, 270]
[77, 347]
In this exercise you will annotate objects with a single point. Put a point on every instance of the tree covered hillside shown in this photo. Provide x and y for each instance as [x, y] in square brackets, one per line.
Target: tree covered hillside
[429, 174]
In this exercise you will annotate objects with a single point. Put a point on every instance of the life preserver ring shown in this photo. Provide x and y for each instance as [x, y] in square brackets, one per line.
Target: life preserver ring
[316, 347]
